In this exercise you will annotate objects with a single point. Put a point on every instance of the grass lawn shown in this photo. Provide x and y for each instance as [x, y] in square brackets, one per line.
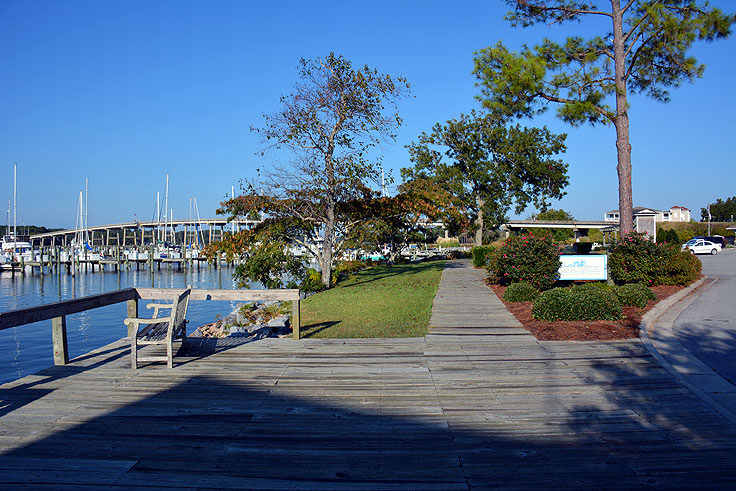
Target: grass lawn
[382, 301]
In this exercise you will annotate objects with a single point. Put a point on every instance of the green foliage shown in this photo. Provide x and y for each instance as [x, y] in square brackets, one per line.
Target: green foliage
[578, 73]
[559, 234]
[535, 260]
[480, 255]
[488, 166]
[636, 259]
[585, 303]
[31, 229]
[680, 268]
[347, 269]
[491, 259]
[552, 214]
[671, 237]
[520, 292]
[634, 294]
[268, 263]
[720, 211]
[583, 247]
[668, 236]
[312, 281]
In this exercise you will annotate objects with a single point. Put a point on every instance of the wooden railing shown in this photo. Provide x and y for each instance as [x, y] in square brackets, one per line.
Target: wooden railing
[58, 311]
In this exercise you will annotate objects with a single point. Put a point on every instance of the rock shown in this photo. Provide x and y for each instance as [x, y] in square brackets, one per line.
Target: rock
[278, 322]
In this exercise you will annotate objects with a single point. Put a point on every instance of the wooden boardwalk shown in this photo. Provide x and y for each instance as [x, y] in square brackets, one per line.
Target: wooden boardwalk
[477, 403]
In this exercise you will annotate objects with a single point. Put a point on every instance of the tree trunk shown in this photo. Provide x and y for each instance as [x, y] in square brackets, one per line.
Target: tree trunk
[621, 122]
[479, 221]
[325, 260]
[326, 256]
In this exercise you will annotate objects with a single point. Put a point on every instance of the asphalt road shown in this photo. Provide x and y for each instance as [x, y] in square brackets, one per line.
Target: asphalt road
[707, 327]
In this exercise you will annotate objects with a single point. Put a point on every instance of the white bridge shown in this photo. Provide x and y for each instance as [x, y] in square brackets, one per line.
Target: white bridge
[579, 227]
[186, 232]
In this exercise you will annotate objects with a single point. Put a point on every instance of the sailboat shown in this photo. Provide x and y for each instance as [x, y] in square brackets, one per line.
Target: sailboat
[14, 246]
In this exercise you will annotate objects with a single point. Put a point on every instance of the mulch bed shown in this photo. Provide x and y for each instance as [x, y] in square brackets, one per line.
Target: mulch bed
[626, 328]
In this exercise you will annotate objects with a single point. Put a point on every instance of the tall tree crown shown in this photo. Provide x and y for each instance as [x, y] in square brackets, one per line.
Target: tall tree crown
[651, 38]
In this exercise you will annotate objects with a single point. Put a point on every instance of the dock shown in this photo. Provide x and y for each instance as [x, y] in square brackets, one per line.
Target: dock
[477, 403]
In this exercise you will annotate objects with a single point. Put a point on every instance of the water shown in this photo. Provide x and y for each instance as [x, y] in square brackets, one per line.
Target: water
[27, 349]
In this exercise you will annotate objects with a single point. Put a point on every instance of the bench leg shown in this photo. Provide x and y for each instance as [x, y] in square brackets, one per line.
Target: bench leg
[170, 352]
[134, 350]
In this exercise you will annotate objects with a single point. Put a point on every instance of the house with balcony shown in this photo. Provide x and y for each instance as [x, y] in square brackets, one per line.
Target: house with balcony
[674, 214]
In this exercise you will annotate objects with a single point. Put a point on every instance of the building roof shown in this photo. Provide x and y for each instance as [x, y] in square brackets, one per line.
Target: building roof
[639, 209]
[680, 207]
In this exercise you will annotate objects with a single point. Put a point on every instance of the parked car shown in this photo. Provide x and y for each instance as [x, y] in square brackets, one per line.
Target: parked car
[702, 246]
[718, 239]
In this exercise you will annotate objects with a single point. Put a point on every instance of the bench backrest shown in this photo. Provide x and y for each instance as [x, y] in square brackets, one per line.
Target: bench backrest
[179, 312]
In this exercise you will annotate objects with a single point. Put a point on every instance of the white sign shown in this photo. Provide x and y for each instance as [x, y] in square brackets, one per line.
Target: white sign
[578, 267]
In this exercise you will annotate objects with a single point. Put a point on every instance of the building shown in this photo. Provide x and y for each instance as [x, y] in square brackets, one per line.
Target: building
[674, 214]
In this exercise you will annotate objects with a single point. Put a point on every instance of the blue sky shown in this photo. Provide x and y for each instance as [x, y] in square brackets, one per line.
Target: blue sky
[123, 93]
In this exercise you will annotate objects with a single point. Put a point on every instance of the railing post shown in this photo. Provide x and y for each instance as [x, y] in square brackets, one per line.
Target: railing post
[296, 318]
[58, 336]
[132, 313]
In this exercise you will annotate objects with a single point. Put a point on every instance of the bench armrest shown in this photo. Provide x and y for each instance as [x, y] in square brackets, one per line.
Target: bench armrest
[160, 305]
[138, 321]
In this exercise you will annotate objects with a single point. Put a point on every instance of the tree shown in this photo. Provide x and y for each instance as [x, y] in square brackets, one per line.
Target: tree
[721, 211]
[559, 234]
[552, 214]
[490, 166]
[329, 126]
[394, 222]
[644, 50]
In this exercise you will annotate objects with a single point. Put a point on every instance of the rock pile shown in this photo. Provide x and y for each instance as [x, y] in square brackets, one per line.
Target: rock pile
[261, 320]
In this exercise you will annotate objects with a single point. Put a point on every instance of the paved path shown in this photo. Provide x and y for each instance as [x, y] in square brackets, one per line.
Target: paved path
[475, 404]
[707, 327]
[693, 334]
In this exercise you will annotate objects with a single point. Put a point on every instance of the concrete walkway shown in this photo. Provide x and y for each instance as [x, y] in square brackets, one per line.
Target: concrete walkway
[660, 338]
[477, 403]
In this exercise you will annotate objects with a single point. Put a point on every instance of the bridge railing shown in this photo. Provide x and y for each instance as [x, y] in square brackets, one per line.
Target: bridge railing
[57, 312]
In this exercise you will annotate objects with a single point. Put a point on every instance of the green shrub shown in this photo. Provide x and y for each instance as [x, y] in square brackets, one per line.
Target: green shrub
[584, 303]
[680, 268]
[636, 259]
[520, 292]
[532, 259]
[480, 254]
[492, 265]
[312, 282]
[634, 294]
[346, 269]
[583, 247]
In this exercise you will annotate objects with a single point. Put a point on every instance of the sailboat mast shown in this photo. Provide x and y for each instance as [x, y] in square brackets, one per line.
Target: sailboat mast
[86, 202]
[158, 216]
[15, 206]
[166, 204]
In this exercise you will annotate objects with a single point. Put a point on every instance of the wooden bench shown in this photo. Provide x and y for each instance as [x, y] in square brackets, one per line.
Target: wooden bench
[159, 329]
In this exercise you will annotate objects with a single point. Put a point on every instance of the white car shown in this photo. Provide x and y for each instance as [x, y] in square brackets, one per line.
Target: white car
[702, 246]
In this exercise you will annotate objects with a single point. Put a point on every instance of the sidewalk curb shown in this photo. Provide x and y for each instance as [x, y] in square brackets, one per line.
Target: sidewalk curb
[675, 304]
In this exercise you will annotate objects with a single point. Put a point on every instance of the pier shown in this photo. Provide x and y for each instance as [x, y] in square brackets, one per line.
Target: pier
[110, 245]
[59, 260]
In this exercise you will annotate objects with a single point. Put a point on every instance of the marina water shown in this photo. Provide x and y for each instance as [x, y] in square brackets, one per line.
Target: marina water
[27, 349]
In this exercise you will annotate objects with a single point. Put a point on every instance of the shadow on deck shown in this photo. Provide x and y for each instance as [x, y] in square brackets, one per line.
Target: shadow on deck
[365, 414]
